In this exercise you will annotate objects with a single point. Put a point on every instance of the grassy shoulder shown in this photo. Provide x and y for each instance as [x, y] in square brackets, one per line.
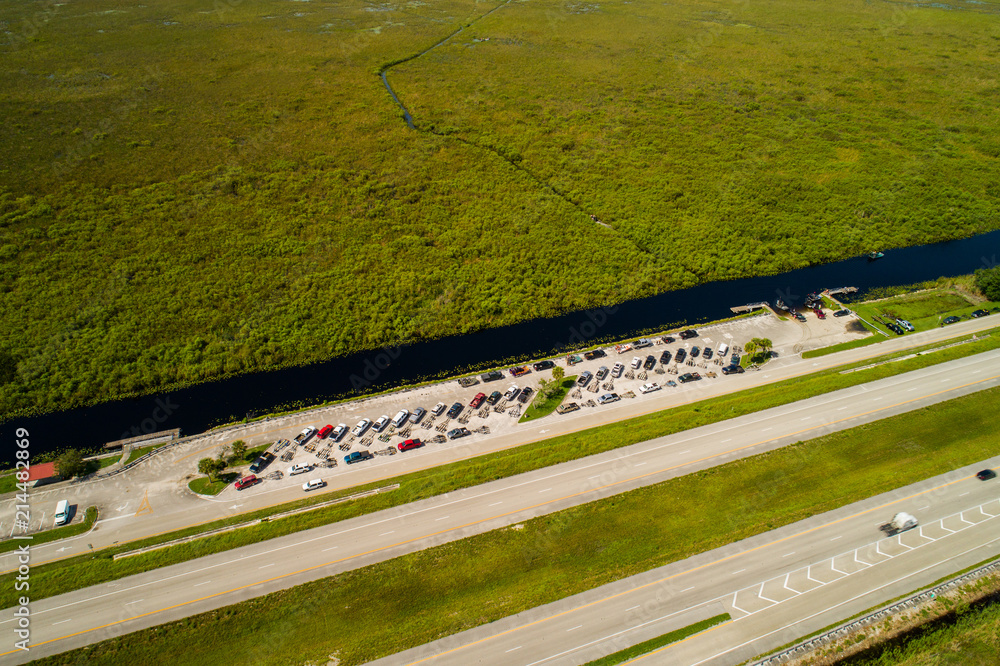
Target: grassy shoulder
[654, 644]
[538, 411]
[436, 592]
[64, 532]
[82, 571]
[206, 486]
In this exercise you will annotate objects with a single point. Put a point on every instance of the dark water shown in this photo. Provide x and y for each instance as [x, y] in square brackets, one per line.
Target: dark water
[197, 408]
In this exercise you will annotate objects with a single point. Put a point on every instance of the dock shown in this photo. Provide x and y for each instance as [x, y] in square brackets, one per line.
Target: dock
[163, 436]
[840, 290]
[739, 309]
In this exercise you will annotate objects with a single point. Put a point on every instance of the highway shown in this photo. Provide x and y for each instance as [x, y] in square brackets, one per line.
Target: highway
[89, 615]
[153, 498]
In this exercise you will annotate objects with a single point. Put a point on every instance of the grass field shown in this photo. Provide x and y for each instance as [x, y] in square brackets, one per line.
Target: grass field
[652, 645]
[77, 572]
[190, 193]
[436, 592]
[536, 412]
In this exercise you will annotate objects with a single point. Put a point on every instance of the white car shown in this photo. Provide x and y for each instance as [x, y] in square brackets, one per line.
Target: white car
[382, 422]
[400, 418]
[362, 426]
[649, 388]
[617, 371]
[512, 392]
[313, 484]
[636, 362]
[339, 432]
[301, 468]
[439, 408]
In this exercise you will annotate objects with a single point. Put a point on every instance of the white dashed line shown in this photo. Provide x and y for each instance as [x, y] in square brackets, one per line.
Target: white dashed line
[388, 533]
[441, 518]
[575, 628]
[326, 549]
[266, 566]
[512, 649]
[787, 554]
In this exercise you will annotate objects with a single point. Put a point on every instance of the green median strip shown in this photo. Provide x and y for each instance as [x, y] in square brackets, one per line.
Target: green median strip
[85, 570]
[653, 644]
[426, 595]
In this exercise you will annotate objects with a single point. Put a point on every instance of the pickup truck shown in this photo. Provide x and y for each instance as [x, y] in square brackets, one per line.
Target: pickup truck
[304, 436]
[358, 456]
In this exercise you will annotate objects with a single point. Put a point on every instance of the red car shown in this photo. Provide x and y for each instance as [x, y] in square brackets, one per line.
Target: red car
[246, 481]
[478, 400]
[325, 432]
[819, 313]
[410, 444]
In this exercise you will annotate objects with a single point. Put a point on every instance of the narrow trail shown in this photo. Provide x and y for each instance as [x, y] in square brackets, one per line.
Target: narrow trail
[408, 117]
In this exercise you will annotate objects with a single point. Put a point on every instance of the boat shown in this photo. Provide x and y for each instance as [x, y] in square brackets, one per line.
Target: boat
[872, 256]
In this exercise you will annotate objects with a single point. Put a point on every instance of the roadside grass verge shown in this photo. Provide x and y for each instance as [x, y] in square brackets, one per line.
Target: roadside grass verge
[538, 411]
[654, 644]
[204, 486]
[135, 454]
[54, 534]
[423, 596]
[85, 570]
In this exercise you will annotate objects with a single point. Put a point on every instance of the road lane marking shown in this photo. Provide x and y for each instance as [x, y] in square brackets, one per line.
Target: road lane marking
[579, 626]
[62, 622]
[512, 649]
[199, 584]
[633, 608]
[787, 554]
[266, 566]
[442, 518]
[837, 537]
[496, 504]
[326, 549]
[688, 589]
[740, 571]
[544, 491]
[387, 533]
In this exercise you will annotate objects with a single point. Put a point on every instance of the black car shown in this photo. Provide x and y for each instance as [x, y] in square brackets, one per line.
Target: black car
[842, 313]
[494, 397]
[732, 370]
[986, 475]
[597, 353]
[525, 394]
[951, 320]
[263, 461]
[543, 365]
[456, 433]
[688, 334]
[492, 376]
[650, 362]
[681, 355]
[694, 352]
[734, 359]
[665, 357]
[688, 377]
[980, 313]
[898, 330]
[707, 354]
[455, 410]
[602, 372]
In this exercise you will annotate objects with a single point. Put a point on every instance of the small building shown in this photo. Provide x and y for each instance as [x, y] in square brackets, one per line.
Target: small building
[42, 473]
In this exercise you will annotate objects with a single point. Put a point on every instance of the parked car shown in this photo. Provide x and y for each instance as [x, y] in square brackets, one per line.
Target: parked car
[494, 397]
[339, 432]
[617, 370]
[304, 436]
[608, 397]
[649, 388]
[573, 359]
[584, 378]
[649, 363]
[326, 430]
[732, 370]
[456, 433]
[362, 426]
[543, 365]
[980, 313]
[417, 415]
[477, 400]
[313, 484]
[262, 461]
[491, 376]
[300, 468]
[986, 475]
[951, 320]
[671, 382]
[642, 343]
[519, 371]
[842, 313]
[665, 357]
[410, 444]
[680, 356]
[905, 324]
[382, 422]
[688, 377]
[400, 418]
[358, 456]
[688, 334]
[707, 354]
[455, 410]
[636, 362]
[525, 395]
[694, 352]
[898, 330]
[819, 313]
[734, 359]
[594, 353]
[245, 482]
[602, 372]
[512, 392]
[438, 409]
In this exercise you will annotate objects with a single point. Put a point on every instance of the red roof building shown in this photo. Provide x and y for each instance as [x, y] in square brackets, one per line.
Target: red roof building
[43, 473]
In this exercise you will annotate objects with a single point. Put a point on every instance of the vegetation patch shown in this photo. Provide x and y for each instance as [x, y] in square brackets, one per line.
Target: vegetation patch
[538, 409]
[422, 596]
[652, 645]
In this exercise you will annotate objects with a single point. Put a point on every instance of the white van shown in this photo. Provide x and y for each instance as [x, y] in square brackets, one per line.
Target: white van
[722, 350]
[62, 512]
[400, 418]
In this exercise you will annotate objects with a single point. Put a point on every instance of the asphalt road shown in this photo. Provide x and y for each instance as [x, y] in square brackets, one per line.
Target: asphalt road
[89, 615]
[153, 498]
